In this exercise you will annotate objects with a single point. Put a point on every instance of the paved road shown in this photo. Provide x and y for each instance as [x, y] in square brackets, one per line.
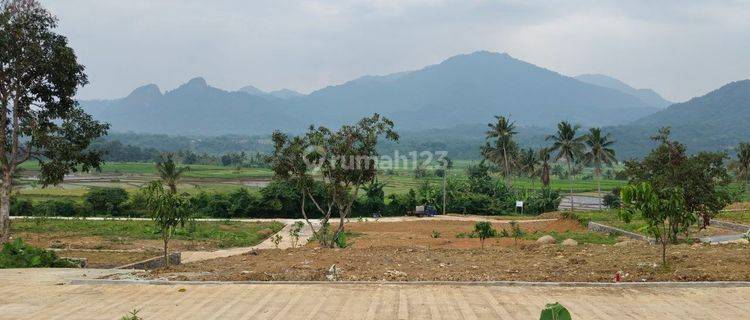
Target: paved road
[32, 294]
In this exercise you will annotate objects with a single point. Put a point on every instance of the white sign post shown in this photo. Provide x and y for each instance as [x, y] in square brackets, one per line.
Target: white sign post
[519, 204]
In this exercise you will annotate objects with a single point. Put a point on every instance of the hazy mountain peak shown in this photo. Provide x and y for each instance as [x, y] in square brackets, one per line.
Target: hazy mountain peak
[648, 96]
[197, 82]
[252, 90]
[285, 94]
[147, 91]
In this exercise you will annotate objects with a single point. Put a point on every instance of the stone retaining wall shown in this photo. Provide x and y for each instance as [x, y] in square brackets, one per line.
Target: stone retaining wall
[730, 226]
[598, 227]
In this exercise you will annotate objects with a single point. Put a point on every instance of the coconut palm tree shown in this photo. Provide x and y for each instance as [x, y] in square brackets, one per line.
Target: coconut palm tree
[741, 166]
[599, 153]
[527, 162]
[544, 166]
[503, 131]
[568, 147]
[169, 172]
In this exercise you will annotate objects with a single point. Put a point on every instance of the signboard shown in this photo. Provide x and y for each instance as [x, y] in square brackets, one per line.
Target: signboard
[519, 204]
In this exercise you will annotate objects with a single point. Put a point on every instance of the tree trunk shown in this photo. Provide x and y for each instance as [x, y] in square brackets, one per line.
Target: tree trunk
[664, 252]
[570, 178]
[599, 186]
[165, 235]
[5, 188]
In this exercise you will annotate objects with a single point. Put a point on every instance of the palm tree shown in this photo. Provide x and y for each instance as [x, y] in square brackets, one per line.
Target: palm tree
[599, 153]
[528, 161]
[544, 166]
[741, 166]
[568, 147]
[169, 172]
[503, 131]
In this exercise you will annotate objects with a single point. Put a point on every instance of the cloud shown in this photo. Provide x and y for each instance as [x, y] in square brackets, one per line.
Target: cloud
[680, 48]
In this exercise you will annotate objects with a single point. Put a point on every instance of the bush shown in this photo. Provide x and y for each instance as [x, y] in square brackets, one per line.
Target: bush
[57, 208]
[21, 207]
[18, 254]
[611, 201]
[107, 200]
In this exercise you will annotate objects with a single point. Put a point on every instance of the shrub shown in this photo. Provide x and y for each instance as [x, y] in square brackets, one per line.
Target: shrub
[484, 230]
[341, 240]
[515, 231]
[435, 234]
[57, 208]
[132, 315]
[555, 311]
[611, 200]
[18, 254]
[107, 200]
[21, 207]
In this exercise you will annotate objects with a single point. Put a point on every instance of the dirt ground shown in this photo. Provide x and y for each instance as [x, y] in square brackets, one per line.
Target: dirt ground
[406, 251]
[419, 234]
[108, 259]
[528, 262]
[71, 242]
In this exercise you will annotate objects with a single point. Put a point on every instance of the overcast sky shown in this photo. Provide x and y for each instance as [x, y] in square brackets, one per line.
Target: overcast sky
[679, 48]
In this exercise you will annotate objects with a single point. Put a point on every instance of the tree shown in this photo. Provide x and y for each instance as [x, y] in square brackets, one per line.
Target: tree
[343, 159]
[569, 148]
[168, 210]
[659, 209]
[41, 120]
[446, 165]
[527, 162]
[544, 167]
[374, 196]
[501, 150]
[703, 178]
[484, 230]
[599, 153]
[741, 166]
[169, 172]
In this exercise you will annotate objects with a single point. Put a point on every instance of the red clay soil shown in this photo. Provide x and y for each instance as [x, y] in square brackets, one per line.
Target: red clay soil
[108, 259]
[639, 262]
[405, 251]
[419, 234]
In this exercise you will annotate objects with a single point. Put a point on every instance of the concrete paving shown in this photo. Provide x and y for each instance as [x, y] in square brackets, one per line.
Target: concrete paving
[38, 294]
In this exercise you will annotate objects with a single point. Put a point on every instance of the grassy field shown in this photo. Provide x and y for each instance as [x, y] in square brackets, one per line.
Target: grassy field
[742, 217]
[224, 233]
[221, 179]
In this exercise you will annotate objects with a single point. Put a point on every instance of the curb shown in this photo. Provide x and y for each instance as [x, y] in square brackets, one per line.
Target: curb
[701, 284]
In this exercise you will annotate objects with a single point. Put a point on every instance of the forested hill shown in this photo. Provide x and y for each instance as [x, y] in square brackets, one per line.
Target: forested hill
[462, 90]
[717, 121]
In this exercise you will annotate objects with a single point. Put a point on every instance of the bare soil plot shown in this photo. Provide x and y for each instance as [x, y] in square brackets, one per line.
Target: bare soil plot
[420, 233]
[109, 259]
[528, 262]
[406, 251]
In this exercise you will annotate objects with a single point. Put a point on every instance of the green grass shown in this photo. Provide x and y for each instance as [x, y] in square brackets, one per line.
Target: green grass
[224, 233]
[196, 170]
[742, 217]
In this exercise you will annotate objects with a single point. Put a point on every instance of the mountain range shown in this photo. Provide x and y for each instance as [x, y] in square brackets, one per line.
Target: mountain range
[464, 89]
[648, 96]
[444, 106]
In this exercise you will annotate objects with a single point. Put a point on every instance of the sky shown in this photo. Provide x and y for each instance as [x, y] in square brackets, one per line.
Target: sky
[681, 48]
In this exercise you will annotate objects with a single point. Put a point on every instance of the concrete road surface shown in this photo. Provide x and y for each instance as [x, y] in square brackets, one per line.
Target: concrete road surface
[40, 294]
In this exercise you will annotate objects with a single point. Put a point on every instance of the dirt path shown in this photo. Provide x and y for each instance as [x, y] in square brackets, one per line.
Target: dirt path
[285, 243]
[33, 294]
